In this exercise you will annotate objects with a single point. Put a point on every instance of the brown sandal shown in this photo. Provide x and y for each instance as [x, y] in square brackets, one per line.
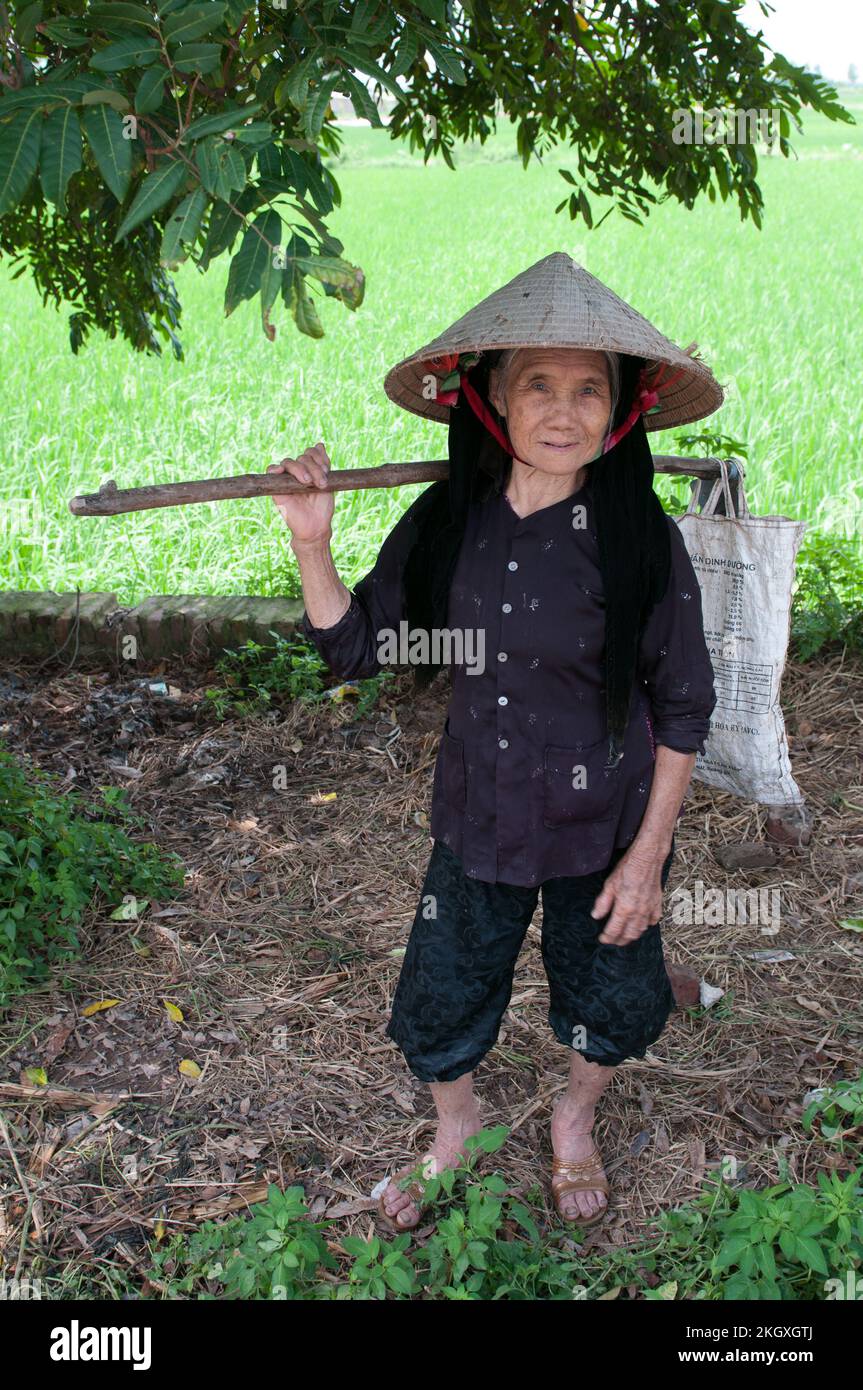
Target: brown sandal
[579, 1179]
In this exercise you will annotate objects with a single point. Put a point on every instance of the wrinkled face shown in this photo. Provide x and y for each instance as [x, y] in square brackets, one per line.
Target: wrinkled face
[557, 403]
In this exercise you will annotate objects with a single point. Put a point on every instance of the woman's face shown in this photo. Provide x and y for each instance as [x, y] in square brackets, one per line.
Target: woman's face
[557, 405]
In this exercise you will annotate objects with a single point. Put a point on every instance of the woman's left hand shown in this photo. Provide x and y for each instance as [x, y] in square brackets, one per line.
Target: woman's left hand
[634, 890]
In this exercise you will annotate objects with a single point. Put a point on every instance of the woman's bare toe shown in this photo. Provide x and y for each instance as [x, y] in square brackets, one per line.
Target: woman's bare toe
[398, 1205]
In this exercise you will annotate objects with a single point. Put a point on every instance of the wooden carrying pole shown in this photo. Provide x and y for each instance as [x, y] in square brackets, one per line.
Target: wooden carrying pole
[111, 500]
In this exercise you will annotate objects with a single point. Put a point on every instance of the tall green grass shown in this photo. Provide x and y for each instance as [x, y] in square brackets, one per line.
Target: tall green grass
[777, 313]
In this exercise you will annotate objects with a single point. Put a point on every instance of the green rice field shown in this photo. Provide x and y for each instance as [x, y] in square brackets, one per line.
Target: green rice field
[777, 314]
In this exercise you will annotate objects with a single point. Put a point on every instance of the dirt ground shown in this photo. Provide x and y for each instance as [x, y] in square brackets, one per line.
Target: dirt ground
[283, 950]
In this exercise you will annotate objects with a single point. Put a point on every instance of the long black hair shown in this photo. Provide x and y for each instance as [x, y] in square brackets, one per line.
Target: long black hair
[631, 530]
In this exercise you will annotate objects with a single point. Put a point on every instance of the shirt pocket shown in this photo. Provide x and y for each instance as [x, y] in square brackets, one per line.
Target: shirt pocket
[577, 786]
[452, 782]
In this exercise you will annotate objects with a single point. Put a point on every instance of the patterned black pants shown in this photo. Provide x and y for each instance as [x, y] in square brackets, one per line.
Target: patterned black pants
[606, 1002]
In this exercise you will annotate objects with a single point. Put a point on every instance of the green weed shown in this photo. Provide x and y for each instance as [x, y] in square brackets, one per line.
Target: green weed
[56, 852]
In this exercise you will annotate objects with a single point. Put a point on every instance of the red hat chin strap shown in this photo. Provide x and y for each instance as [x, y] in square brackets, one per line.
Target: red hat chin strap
[479, 408]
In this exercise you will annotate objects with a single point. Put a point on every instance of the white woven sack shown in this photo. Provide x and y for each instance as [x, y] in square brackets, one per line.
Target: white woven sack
[745, 570]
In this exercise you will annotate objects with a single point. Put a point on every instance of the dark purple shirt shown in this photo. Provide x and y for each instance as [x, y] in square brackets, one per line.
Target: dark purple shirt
[520, 790]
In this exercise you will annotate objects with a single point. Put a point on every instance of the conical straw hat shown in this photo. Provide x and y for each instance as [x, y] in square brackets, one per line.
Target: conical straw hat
[557, 303]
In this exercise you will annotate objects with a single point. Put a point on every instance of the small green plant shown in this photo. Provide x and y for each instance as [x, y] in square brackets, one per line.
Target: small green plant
[716, 446]
[840, 1112]
[485, 1246]
[779, 1242]
[379, 1266]
[676, 489]
[276, 1252]
[56, 852]
[254, 675]
[828, 601]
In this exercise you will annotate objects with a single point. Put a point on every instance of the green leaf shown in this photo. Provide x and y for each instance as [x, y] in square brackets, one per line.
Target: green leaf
[315, 111]
[490, 1139]
[221, 232]
[332, 270]
[399, 1280]
[107, 95]
[71, 33]
[435, 9]
[247, 266]
[112, 153]
[447, 62]
[370, 69]
[269, 162]
[155, 190]
[220, 121]
[303, 309]
[307, 176]
[19, 156]
[255, 133]
[193, 22]
[197, 57]
[406, 53]
[222, 168]
[25, 24]
[731, 1251]
[809, 1253]
[362, 101]
[271, 283]
[766, 1260]
[354, 1245]
[125, 53]
[121, 16]
[51, 92]
[61, 154]
[295, 86]
[150, 91]
[26, 100]
[182, 226]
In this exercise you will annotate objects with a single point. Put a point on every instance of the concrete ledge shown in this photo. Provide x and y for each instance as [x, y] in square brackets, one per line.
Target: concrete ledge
[194, 626]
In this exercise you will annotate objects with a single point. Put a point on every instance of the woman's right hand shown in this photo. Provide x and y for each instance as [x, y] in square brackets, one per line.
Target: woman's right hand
[308, 514]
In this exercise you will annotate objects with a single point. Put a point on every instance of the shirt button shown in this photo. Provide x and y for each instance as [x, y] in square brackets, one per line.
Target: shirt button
[507, 608]
[502, 700]
[501, 656]
[503, 743]
[513, 565]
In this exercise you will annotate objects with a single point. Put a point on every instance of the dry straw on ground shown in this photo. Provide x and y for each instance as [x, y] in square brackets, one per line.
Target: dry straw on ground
[283, 951]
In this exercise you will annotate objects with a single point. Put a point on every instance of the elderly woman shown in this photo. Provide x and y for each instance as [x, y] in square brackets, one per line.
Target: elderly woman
[569, 745]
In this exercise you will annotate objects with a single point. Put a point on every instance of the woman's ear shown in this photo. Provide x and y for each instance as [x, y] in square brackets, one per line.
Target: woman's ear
[494, 391]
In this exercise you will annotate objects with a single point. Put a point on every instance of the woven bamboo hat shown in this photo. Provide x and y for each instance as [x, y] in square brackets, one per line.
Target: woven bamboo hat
[557, 303]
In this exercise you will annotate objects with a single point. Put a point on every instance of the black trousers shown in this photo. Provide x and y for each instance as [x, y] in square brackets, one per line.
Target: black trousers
[606, 1002]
